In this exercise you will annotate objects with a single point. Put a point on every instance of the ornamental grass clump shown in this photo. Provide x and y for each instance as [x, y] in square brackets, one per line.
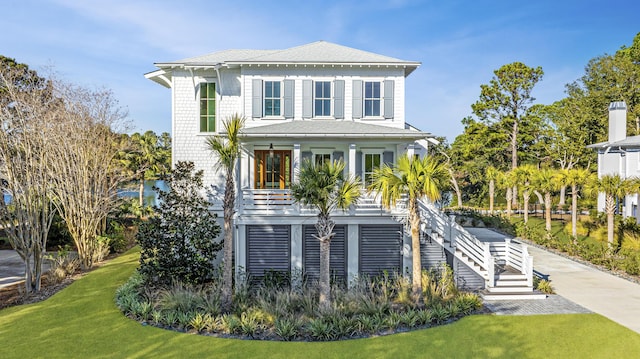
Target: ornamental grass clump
[371, 306]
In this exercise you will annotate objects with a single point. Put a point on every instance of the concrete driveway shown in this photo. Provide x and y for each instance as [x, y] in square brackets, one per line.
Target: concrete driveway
[12, 268]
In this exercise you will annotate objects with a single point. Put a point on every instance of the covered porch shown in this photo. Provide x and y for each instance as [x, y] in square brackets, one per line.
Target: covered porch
[273, 154]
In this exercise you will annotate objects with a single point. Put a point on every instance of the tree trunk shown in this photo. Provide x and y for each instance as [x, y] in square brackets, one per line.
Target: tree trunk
[610, 229]
[492, 193]
[324, 282]
[141, 193]
[525, 203]
[574, 213]
[610, 209]
[324, 227]
[562, 201]
[415, 244]
[227, 270]
[509, 195]
[547, 211]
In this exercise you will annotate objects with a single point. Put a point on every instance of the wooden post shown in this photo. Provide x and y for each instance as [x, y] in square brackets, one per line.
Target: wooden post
[488, 259]
[507, 244]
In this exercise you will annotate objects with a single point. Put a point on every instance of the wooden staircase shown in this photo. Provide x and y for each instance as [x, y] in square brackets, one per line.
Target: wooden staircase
[505, 266]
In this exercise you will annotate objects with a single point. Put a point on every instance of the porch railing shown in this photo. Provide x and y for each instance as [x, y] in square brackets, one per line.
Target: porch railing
[280, 201]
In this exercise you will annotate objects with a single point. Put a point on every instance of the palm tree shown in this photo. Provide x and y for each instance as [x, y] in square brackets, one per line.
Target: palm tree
[614, 188]
[576, 178]
[546, 181]
[226, 147]
[523, 175]
[417, 178]
[325, 187]
[491, 174]
[507, 180]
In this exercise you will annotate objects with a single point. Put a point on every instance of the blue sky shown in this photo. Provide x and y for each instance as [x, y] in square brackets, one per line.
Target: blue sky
[113, 43]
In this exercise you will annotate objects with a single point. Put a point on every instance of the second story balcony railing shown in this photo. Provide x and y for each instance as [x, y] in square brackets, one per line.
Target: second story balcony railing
[280, 202]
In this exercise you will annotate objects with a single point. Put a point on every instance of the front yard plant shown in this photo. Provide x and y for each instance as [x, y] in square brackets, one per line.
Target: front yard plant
[371, 306]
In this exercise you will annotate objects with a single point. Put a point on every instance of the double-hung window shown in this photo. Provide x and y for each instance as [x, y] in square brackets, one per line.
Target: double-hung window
[322, 99]
[321, 158]
[372, 99]
[371, 162]
[208, 107]
[272, 98]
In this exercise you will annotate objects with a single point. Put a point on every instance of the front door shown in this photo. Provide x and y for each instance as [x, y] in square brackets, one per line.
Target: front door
[273, 169]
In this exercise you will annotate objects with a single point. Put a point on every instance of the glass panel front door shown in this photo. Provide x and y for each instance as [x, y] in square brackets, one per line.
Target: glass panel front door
[272, 172]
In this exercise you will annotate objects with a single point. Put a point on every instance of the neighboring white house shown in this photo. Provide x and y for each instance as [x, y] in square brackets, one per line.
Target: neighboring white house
[319, 101]
[619, 155]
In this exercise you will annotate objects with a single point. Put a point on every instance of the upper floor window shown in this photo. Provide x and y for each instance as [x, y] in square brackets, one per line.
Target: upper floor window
[322, 99]
[208, 107]
[372, 99]
[272, 98]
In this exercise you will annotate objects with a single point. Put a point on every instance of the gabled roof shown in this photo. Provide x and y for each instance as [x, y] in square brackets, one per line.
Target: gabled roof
[315, 53]
[331, 129]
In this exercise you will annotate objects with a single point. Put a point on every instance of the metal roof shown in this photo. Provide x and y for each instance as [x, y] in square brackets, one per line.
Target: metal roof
[629, 142]
[332, 129]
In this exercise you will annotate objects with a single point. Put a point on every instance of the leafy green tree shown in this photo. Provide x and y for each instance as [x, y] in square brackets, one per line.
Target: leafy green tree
[506, 100]
[614, 188]
[418, 179]
[151, 158]
[325, 187]
[226, 148]
[179, 243]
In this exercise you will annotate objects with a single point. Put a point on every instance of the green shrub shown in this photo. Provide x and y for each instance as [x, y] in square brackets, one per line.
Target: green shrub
[544, 286]
[181, 298]
[287, 328]
[179, 243]
[321, 330]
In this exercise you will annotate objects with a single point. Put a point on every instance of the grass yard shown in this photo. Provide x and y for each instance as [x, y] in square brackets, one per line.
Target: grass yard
[82, 321]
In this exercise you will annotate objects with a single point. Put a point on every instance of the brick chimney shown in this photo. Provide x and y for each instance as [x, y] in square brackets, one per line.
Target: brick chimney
[617, 121]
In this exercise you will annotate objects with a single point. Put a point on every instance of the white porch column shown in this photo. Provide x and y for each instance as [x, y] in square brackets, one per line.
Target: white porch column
[296, 162]
[411, 150]
[245, 169]
[296, 255]
[352, 159]
[240, 251]
[353, 253]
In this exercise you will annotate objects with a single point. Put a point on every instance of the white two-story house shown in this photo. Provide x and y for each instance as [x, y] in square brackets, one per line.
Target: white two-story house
[318, 101]
[619, 155]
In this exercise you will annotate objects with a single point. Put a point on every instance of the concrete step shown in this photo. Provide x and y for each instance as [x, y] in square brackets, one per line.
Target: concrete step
[511, 283]
[510, 276]
[486, 295]
[510, 289]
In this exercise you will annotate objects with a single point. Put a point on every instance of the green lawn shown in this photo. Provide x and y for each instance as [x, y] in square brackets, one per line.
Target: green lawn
[82, 321]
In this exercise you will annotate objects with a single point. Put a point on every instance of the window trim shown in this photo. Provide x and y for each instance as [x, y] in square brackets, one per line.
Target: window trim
[330, 99]
[321, 153]
[379, 153]
[280, 98]
[380, 99]
[199, 105]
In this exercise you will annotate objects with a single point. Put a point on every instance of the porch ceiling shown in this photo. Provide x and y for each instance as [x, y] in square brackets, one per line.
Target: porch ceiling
[330, 128]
